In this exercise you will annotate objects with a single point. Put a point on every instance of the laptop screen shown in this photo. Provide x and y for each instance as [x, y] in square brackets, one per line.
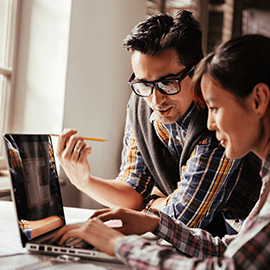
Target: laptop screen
[35, 183]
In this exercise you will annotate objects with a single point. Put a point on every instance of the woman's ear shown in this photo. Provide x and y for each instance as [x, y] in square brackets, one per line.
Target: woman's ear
[261, 96]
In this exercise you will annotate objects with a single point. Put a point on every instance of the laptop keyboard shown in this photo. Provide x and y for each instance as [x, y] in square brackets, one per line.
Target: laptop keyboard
[78, 243]
[74, 242]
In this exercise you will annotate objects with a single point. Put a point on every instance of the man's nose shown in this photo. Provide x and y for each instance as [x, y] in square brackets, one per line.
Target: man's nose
[157, 97]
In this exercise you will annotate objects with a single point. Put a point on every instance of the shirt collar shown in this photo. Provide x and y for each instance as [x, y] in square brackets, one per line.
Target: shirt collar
[265, 166]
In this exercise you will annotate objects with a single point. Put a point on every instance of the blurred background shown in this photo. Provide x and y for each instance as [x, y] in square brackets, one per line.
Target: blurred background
[62, 65]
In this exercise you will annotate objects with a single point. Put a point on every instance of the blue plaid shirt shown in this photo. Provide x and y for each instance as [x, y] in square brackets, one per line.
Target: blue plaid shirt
[197, 249]
[204, 185]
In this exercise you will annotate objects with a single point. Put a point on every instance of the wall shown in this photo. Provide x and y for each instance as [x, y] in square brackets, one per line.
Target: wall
[73, 72]
[256, 21]
[97, 75]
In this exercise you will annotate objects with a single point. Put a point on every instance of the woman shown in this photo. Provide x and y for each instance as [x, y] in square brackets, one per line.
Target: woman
[234, 83]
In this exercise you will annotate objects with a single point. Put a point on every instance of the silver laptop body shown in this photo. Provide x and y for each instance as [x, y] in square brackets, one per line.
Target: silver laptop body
[37, 197]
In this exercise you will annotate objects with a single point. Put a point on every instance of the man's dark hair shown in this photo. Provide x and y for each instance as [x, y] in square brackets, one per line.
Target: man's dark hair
[160, 32]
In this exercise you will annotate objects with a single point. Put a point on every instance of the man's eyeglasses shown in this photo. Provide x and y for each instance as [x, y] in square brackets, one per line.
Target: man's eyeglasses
[166, 86]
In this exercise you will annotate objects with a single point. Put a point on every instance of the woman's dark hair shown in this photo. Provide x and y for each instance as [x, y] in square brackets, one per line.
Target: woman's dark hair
[237, 66]
[161, 32]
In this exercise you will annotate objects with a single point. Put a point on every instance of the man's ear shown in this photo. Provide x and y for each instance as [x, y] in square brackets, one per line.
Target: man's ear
[261, 96]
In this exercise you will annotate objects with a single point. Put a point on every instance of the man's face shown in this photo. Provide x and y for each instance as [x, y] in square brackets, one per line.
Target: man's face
[168, 108]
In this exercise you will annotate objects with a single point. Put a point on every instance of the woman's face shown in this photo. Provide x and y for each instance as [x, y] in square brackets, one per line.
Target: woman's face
[232, 118]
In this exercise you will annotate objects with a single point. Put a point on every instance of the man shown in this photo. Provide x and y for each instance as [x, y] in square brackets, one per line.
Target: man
[170, 160]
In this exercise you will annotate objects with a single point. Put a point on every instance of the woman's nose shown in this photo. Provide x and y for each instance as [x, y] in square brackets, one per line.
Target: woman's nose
[211, 125]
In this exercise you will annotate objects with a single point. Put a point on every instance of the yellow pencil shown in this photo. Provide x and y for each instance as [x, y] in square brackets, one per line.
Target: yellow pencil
[86, 138]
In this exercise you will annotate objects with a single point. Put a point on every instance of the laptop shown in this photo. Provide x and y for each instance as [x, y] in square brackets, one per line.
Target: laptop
[37, 197]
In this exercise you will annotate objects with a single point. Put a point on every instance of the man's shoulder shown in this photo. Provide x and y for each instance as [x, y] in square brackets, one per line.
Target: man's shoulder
[136, 101]
[138, 109]
[198, 113]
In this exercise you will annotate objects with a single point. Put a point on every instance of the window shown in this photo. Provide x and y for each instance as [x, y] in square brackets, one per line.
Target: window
[8, 24]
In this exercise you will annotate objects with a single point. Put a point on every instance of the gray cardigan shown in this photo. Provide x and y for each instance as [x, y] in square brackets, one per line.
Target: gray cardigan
[166, 171]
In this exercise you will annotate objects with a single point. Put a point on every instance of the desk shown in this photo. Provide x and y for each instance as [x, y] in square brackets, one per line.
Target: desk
[20, 259]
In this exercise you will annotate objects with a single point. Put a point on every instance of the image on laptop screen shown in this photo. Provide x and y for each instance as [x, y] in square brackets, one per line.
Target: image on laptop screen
[35, 183]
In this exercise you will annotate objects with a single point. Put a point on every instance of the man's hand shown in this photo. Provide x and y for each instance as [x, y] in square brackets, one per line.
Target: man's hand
[72, 152]
[156, 191]
[159, 202]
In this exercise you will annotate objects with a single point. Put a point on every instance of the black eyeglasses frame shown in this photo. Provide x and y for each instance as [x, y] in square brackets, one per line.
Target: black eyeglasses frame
[153, 84]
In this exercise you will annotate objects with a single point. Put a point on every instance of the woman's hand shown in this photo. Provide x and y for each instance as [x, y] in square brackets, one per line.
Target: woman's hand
[133, 222]
[103, 237]
[92, 231]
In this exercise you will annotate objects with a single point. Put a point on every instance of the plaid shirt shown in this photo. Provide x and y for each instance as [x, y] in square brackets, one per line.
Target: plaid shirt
[197, 249]
[203, 187]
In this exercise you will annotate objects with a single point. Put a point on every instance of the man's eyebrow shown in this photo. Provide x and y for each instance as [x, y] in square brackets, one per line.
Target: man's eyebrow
[161, 78]
[171, 75]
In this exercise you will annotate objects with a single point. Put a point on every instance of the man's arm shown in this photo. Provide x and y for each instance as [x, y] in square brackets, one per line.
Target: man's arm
[205, 185]
[113, 193]
[72, 152]
[203, 188]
